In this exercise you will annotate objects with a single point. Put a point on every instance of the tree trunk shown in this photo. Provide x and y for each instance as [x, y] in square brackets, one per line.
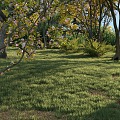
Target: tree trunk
[117, 30]
[90, 29]
[44, 35]
[3, 53]
[100, 22]
[117, 53]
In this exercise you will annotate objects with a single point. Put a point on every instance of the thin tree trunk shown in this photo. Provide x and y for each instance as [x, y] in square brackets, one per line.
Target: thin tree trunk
[3, 53]
[100, 21]
[44, 35]
[90, 29]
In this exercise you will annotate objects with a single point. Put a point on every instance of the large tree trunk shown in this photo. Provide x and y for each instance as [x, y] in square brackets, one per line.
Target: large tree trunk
[117, 30]
[3, 53]
[117, 53]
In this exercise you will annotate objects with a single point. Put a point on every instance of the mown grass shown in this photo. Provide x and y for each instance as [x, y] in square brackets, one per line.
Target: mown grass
[58, 86]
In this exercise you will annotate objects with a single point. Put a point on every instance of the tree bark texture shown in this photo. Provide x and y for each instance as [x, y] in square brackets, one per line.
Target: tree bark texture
[117, 30]
[3, 53]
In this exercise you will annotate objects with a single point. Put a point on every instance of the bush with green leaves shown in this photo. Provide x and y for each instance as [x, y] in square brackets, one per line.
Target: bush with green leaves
[109, 37]
[72, 43]
[96, 49]
[69, 45]
[54, 44]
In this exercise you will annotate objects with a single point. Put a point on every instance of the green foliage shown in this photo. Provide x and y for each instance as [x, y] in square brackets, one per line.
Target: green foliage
[69, 45]
[54, 44]
[96, 49]
[109, 37]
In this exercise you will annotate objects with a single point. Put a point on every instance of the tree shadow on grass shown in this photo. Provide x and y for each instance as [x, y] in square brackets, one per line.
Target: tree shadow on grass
[75, 56]
[49, 51]
[46, 67]
[20, 75]
[29, 84]
[71, 55]
[110, 112]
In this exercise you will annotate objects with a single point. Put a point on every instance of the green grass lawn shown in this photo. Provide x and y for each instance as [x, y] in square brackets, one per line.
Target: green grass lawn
[58, 86]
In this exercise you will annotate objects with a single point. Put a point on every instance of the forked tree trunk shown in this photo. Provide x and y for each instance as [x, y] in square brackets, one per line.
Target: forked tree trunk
[3, 53]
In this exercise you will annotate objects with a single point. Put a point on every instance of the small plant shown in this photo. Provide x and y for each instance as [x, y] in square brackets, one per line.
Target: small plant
[68, 45]
[54, 44]
[96, 49]
[109, 37]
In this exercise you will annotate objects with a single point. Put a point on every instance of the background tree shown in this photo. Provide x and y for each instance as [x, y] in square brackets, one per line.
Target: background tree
[23, 19]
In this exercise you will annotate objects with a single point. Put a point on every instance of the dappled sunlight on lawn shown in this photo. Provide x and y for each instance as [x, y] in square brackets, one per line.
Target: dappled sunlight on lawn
[69, 86]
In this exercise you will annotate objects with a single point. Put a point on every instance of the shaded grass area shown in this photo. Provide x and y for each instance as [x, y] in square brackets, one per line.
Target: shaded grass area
[58, 86]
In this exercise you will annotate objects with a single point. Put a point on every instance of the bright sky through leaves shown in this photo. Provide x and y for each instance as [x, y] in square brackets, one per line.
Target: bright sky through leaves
[111, 24]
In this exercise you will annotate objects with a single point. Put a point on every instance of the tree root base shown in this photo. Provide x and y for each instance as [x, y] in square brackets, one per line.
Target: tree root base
[116, 57]
[3, 55]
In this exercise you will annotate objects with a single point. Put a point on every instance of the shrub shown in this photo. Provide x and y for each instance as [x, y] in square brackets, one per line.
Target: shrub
[109, 37]
[72, 43]
[96, 49]
[54, 44]
[69, 45]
